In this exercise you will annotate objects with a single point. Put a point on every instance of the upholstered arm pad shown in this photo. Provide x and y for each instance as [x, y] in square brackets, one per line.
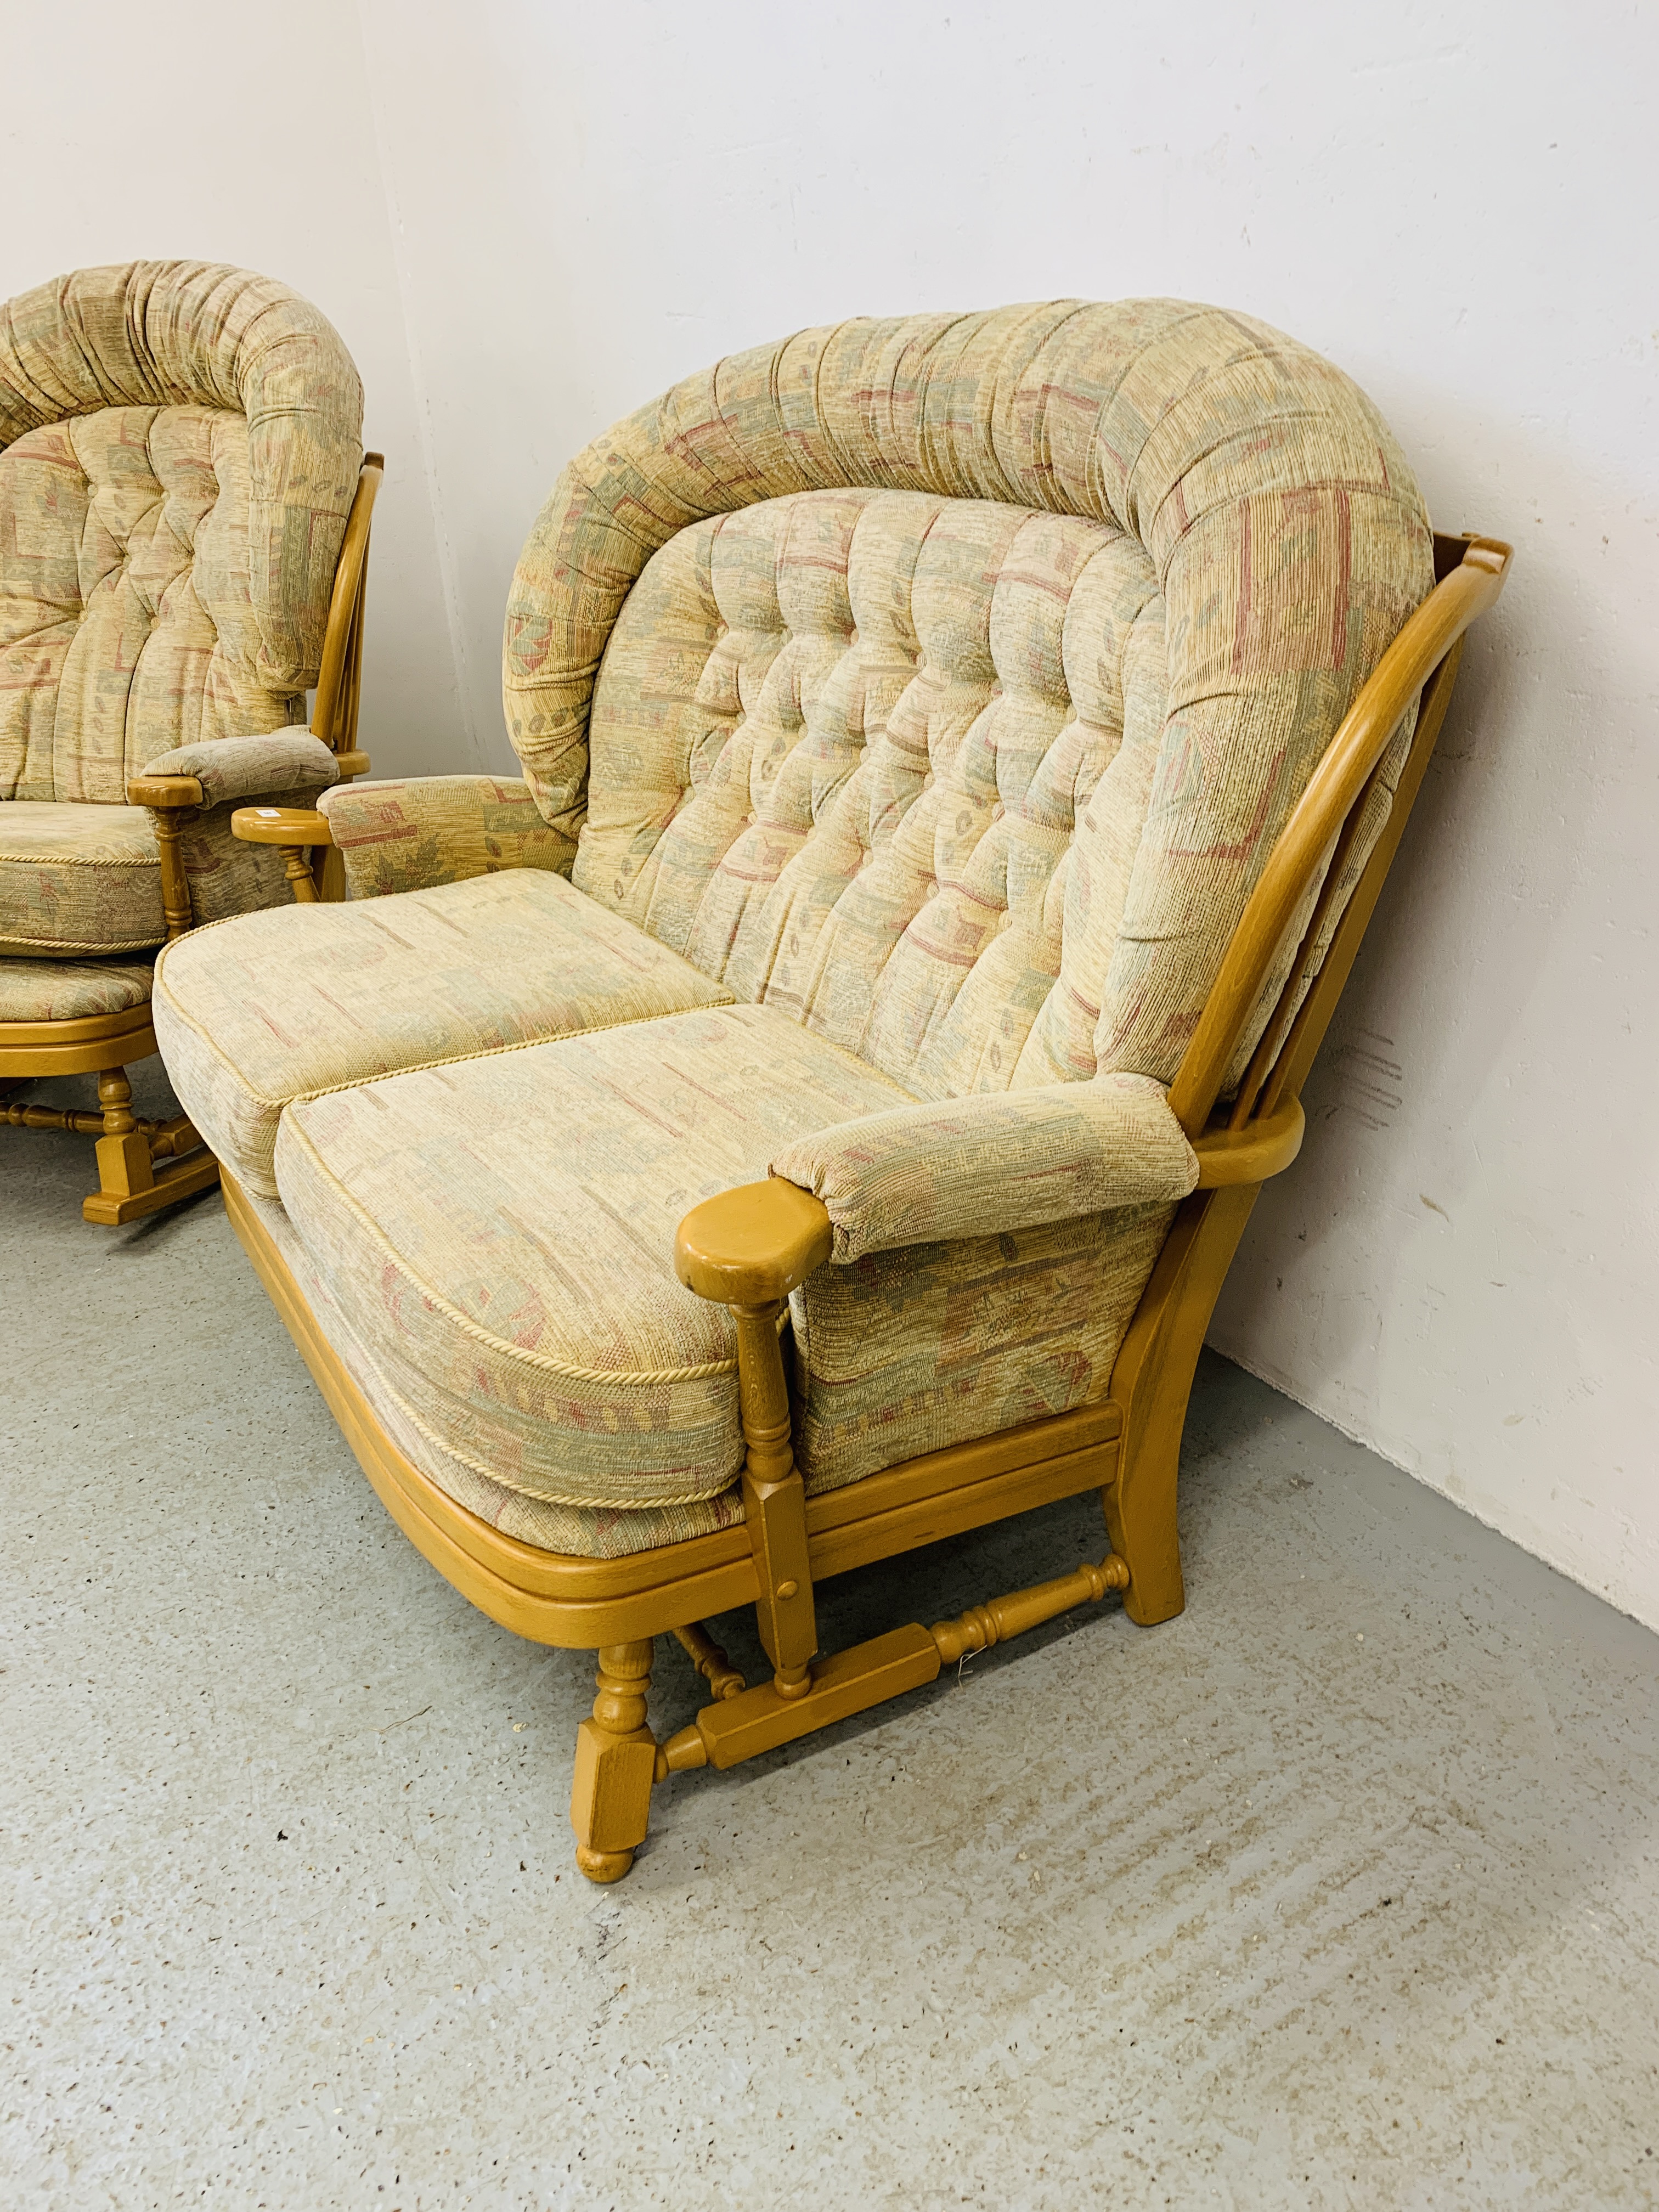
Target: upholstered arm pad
[411, 834]
[265, 767]
[998, 1160]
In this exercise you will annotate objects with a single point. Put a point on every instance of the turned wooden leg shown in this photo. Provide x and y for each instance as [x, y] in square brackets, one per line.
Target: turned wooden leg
[124, 1155]
[616, 1762]
[297, 867]
[176, 904]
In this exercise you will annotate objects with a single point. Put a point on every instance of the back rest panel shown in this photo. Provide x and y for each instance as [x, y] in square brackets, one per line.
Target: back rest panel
[889, 764]
[747, 568]
[884, 762]
[126, 622]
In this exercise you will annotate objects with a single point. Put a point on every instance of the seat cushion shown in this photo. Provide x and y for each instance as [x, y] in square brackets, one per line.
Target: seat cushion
[605, 1532]
[77, 879]
[501, 1233]
[70, 990]
[266, 1008]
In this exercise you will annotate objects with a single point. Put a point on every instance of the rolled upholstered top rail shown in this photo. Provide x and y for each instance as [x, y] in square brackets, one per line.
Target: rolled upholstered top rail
[1279, 519]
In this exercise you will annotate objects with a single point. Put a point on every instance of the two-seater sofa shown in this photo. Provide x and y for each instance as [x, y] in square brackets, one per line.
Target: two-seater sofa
[813, 1111]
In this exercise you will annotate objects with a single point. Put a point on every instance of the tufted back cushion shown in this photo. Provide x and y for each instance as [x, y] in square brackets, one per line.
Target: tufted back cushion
[960, 671]
[180, 452]
[844, 751]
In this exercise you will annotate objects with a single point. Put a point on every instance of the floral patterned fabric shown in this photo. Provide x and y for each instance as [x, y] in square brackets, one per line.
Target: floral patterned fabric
[414, 835]
[78, 879]
[70, 990]
[971, 1167]
[283, 1005]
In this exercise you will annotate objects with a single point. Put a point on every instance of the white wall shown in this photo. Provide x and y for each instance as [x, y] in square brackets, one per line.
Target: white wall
[560, 208]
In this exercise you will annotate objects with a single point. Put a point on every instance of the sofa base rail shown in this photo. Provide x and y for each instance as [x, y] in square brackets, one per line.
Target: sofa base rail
[745, 1721]
[581, 1604]
[619, 1763]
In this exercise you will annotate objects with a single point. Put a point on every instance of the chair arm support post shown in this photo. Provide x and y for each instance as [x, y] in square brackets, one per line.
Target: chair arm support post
[173, 801]
[295, 829]
[177, 908]
[774, 1503]
[747, 1250]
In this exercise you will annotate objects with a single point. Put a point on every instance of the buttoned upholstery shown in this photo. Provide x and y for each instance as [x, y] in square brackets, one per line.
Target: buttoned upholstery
[936, 688]
[178, 450]
[971, 663]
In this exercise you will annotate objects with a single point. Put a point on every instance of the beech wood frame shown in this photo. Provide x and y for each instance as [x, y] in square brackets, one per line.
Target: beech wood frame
[144, 1166]
[750, 1246]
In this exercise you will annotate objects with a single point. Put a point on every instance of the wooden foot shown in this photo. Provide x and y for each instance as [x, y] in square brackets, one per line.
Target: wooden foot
[123, 1168]
[615, 1765]
[109, 1210]
[129, 1186]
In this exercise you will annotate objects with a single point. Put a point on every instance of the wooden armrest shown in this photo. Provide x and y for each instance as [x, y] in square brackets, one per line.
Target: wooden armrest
[1253, 1153]
[352, 763]
[163, 790]
[281, 825]
[752, 1245]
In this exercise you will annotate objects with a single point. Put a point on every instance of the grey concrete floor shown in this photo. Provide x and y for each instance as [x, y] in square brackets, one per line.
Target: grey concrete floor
[1338, 1890]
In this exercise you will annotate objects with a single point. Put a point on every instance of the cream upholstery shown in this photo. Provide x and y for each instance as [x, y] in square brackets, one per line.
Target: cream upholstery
[936, 688]
[605, 1531]
[77, 880]
[457, 1215]
[181, 448]
[972, 1167]
[70, 990]
[905, 1352]
[1253, 493]
[412, 835]
[287, 1004]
